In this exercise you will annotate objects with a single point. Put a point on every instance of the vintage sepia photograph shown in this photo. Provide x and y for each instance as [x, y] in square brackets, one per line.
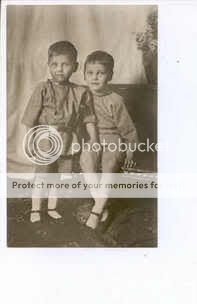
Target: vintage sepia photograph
[82, 125]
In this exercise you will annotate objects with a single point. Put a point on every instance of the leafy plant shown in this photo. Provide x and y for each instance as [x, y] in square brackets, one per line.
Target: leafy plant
[147, 43]
[148, 40]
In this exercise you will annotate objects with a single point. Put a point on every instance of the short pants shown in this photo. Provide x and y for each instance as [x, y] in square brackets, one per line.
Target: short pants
[64, 164]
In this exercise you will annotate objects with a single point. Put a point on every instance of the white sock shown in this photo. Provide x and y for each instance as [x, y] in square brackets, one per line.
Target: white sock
[52, 204]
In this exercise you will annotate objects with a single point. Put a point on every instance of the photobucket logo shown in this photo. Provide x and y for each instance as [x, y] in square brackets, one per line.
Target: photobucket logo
[42, 145]
[112, 146]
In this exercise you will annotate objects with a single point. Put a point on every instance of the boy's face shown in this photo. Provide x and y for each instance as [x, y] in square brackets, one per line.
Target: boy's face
[96, 76]
[61, 67]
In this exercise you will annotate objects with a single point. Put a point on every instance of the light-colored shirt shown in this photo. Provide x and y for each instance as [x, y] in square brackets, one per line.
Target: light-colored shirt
[113, 120]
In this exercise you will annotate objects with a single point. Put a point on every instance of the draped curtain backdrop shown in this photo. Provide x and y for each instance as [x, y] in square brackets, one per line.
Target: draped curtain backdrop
[31, 29]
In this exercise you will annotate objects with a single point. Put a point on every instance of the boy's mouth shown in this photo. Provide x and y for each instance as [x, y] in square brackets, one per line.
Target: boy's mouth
[95, 83]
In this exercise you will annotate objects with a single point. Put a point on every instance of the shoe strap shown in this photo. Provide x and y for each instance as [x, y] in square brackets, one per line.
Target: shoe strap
[95, 213]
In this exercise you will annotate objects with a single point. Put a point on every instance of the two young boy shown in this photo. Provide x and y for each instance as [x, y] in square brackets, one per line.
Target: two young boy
[59, 103]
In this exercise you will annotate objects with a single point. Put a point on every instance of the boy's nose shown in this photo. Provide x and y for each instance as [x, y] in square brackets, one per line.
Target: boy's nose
[95, 76]
[59, 68]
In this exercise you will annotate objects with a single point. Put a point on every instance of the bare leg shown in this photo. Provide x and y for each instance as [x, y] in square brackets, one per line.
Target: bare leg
[89, 165]
[110, 165]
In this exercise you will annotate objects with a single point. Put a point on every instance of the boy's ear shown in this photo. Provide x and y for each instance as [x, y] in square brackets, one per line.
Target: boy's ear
[110, 76]
[75, 67]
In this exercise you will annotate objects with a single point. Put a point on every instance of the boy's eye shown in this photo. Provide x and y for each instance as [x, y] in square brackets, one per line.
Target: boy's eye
[65, 64]
[53, 65]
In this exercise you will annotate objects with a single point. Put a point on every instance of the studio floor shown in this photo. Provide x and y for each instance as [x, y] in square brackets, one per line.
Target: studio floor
[132, 223]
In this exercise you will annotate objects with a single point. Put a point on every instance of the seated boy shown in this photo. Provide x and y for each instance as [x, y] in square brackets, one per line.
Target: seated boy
[114, 125]
[58, 103]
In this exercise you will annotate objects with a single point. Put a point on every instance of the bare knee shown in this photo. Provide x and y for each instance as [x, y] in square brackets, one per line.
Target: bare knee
[88, 161]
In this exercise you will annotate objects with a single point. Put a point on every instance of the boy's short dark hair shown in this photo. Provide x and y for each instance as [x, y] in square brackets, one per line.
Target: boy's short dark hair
[101, 57]
[62, 48]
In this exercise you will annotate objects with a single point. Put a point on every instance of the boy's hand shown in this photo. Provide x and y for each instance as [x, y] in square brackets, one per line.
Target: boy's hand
[129, 162]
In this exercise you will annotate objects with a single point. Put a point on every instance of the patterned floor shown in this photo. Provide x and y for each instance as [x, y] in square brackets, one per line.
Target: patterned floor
[132, 223]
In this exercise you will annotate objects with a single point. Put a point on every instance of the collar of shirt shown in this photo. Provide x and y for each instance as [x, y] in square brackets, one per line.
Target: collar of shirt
[103, 93]
[64, 84]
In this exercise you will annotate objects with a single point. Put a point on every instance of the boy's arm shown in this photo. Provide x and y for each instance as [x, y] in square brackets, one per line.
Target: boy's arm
[127, 131]
[34, 107]
[92, 132]
[89, 118]
[30, 118]
[28, 144]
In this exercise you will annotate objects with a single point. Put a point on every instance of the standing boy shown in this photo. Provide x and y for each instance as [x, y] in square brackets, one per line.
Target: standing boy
[60, 104]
